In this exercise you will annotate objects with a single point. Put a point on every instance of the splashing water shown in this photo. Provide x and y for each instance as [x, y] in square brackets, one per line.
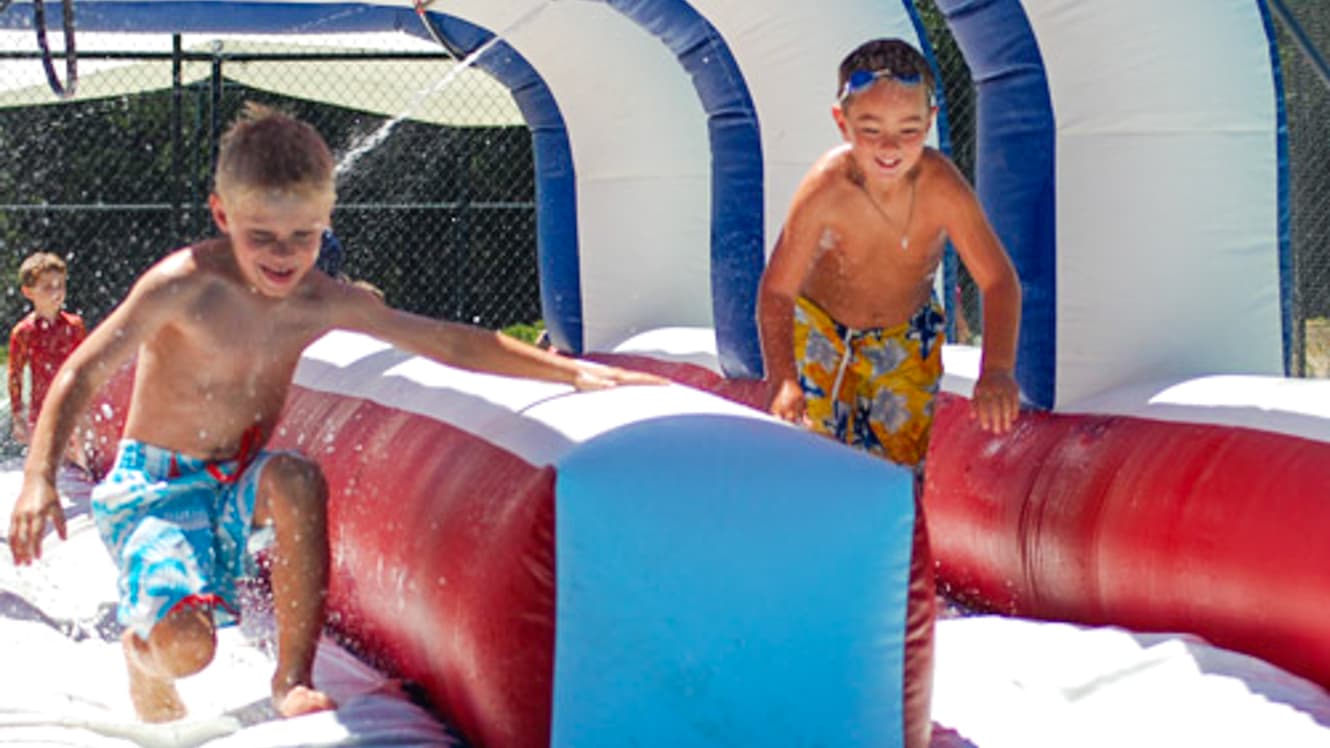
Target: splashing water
[349, 159]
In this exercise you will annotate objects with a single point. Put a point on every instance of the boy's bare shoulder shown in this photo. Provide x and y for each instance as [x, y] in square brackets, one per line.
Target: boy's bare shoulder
[186, 272]
[833, 169]
[939, 174]
[188, 262]
[826, 181]
[345, 303]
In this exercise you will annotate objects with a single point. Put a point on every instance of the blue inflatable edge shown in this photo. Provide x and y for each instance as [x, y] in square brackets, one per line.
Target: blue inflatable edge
[701, 604]
[1286, 277]
[1017, 127]
[738, 253]
[208, 16]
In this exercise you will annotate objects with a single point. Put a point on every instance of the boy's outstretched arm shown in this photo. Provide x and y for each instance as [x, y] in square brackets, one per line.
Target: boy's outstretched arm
[996, 399]
[81, 375]
[474, 348]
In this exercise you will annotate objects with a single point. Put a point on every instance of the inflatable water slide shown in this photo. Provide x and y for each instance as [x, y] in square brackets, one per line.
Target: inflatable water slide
[669, 566]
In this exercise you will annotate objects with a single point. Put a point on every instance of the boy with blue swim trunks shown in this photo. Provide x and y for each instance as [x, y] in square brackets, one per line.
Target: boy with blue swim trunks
[217, 329]
[850, 328]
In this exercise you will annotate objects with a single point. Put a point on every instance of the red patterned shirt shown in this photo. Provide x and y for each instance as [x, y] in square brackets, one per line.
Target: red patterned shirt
[43, 345]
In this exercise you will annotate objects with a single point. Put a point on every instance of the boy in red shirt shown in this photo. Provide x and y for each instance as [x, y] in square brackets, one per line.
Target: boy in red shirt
[42, 340]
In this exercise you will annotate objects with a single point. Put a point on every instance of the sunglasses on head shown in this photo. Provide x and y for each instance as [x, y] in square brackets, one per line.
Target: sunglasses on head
[861, 80]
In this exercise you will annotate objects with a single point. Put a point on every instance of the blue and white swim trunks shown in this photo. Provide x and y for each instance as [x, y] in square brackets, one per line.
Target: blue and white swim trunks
[179, 530]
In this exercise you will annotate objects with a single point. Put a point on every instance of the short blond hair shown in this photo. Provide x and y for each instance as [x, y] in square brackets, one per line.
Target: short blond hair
[268, 150]
[38, 263]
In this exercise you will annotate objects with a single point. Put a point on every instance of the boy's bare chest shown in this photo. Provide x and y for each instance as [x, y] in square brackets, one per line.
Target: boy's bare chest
[850, 252]
[866, 280]
[228, 358]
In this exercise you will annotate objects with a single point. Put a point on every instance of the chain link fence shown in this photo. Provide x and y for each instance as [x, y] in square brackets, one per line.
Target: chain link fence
[1307, 96]
[440, 216]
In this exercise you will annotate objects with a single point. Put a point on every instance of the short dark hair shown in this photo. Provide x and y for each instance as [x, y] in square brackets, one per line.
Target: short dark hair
[896, 55]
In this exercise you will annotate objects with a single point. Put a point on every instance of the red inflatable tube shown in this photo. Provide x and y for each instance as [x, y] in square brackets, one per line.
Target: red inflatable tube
[1151, 525]
[467, 615]
[443, 561]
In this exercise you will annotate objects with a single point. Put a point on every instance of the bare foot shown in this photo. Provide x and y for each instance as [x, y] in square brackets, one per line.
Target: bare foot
[301, 700]
[155, 698]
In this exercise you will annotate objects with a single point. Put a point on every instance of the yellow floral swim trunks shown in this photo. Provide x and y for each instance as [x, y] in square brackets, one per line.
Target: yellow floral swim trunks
[872, 389]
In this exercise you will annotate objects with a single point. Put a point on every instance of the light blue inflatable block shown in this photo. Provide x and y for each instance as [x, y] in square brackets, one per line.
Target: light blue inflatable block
[725, 581]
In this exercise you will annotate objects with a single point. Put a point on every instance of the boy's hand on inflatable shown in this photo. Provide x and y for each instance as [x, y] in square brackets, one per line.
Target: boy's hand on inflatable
[787, 403]
[996, 400]
[37, 502]
[598, 377]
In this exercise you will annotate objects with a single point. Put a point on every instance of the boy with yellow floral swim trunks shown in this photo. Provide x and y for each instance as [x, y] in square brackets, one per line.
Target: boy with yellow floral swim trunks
[851, 331]
[885, 378]
[850, 328]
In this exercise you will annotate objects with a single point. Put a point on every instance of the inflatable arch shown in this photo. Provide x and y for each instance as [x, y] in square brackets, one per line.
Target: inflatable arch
[1169, 477]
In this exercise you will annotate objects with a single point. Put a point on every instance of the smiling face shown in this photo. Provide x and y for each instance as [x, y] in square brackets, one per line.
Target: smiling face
[886, 126]
[274, 236]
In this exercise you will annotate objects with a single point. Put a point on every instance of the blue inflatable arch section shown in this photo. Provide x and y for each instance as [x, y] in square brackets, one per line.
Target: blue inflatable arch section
[1132, 157]
[737, 256]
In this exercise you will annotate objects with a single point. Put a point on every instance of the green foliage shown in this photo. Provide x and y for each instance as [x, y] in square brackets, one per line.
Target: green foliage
[528, 332]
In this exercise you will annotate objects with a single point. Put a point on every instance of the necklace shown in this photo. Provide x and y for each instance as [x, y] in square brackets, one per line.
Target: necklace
[909, 214]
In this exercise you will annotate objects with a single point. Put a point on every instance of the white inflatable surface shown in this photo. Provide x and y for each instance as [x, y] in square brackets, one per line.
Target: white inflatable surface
[62, 675]
[999, 682]
[1013, 683]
